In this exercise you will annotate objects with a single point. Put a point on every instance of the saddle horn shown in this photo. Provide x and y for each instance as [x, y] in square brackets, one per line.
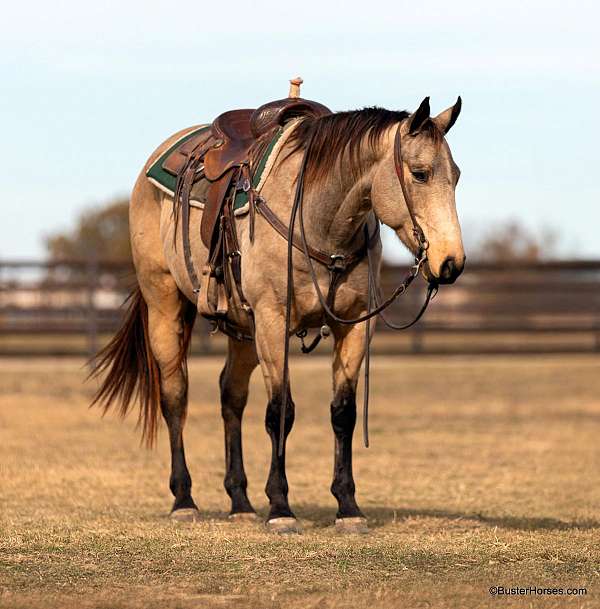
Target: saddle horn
[295, 87]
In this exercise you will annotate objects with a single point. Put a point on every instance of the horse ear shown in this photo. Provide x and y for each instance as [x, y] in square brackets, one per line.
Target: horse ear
[448, 117]
[419, 117]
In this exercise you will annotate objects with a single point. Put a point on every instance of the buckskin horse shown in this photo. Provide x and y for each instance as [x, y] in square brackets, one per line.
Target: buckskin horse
[314, 210]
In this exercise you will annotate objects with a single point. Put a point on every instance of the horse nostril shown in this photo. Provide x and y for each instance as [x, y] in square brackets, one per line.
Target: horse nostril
[448, 268]
[449, 271]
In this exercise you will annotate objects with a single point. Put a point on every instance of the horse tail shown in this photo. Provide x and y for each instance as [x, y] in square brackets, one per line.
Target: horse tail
[129, 370]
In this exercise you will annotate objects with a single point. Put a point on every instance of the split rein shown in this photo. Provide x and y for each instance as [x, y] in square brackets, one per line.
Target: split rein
[337, 265]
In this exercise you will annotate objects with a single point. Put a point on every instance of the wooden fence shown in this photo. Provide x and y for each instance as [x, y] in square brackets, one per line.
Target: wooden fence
[72, 307]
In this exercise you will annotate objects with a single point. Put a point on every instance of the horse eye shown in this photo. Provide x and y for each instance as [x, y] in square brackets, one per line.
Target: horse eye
[420, 176]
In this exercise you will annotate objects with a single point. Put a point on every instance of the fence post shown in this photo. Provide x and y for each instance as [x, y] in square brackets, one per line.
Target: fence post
[92, 318]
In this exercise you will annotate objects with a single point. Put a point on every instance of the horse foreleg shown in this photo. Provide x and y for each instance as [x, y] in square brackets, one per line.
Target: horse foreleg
[349, 351]
[269, 342]
[241, 361]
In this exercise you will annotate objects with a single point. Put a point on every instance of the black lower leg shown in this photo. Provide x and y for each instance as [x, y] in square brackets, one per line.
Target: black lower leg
[277, 486]
[180, 481]
[343, 420]
[236, 483]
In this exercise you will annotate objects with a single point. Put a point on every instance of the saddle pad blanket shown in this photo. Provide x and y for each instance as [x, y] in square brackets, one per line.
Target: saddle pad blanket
[166, 182]
[162, 179]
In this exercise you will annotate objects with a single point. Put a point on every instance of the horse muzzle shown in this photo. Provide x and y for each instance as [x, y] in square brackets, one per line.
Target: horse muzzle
[449, 271]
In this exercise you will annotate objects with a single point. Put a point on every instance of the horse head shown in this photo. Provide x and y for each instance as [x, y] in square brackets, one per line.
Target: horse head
[430, 178]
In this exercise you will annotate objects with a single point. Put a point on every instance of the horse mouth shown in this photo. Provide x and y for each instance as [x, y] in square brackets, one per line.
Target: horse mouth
[427, 274]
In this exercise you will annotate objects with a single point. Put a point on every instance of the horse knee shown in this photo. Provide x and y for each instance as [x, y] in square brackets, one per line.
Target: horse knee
[343, 412]
[273, 415]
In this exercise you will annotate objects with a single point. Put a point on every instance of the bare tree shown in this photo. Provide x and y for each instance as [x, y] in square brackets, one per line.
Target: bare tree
[103, 230]
[511, 241]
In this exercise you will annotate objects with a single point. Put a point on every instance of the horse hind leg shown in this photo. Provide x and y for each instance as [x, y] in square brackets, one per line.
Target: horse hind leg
[147, 358]
[234, 380]
[170, 323]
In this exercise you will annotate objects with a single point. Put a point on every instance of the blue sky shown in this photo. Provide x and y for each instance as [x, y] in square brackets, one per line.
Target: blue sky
[90, 89]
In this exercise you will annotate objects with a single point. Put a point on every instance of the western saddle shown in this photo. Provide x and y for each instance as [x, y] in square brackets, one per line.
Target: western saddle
[223, 155]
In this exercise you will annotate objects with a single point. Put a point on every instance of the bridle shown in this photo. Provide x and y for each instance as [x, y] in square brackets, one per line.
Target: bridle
[338, 264]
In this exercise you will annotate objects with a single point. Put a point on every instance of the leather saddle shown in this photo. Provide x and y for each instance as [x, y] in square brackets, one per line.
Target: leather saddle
[221, 156]
[227, 145]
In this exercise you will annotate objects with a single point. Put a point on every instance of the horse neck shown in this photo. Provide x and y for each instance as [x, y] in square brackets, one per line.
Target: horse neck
[336, 209]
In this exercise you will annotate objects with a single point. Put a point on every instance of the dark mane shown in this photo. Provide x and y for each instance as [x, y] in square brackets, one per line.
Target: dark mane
[335, 134]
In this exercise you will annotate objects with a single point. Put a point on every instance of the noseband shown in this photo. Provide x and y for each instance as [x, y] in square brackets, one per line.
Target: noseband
[338, 265]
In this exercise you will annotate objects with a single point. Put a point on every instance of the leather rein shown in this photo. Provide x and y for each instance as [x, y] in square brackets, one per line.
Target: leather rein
[337, 265]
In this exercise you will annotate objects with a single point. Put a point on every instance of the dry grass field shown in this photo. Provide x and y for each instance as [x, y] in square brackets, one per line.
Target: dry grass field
[482, 471]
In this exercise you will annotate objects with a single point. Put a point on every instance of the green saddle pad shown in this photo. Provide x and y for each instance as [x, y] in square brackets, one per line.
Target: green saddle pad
[166, 182]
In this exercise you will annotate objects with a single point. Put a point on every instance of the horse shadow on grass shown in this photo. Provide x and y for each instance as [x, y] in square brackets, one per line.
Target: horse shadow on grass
[322, 517]
[379, 516]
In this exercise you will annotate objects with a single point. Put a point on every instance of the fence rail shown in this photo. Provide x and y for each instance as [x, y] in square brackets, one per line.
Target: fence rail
[72, 306]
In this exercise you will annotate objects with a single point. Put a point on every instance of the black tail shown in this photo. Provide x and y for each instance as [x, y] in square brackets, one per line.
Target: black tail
[128, 369]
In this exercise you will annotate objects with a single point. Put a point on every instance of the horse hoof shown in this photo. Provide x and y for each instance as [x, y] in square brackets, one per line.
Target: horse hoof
[185, 515]
[285, 525]
[243, 517]
[356, 525]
